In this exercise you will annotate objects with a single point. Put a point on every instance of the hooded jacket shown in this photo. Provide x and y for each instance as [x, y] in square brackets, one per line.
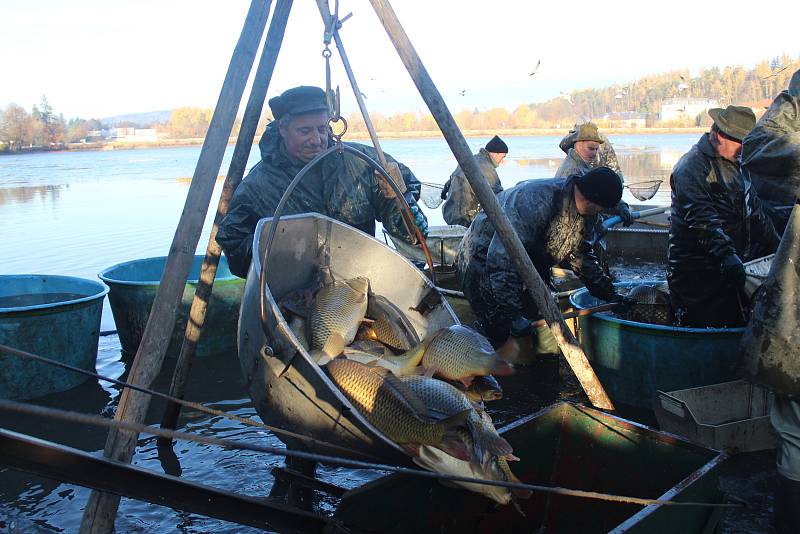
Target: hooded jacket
[544, 215]
[715, 212]
[462, 205]
[340, 186]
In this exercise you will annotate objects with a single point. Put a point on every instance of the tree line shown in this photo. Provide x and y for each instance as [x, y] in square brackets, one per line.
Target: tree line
[43, 127]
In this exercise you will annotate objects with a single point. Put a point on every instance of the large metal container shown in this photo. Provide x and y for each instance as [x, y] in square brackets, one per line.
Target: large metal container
[565, 446]
[289, 390]
[57, 317]
[134, 284]
[635, 360]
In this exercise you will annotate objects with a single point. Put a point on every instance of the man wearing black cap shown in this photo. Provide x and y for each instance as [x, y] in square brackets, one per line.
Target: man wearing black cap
[340, 186]
[555, 219]
[716, 222]
[461, 204]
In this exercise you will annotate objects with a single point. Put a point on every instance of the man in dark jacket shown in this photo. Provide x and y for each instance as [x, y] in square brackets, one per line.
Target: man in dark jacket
[555, 219]
[606, 156]
[717, 222]
[341, 186]
[461, 204]
[771, 155]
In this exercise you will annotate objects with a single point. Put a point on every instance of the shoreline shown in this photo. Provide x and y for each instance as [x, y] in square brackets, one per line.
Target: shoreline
[359, 136]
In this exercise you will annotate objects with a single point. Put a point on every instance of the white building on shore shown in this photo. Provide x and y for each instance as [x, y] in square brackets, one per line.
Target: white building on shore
[675, 109]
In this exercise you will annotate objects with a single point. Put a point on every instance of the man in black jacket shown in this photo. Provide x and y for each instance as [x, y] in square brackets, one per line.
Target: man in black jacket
[717, 222]
[555, 219]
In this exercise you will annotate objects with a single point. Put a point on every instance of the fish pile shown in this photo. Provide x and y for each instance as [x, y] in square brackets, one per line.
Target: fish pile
[426, 395]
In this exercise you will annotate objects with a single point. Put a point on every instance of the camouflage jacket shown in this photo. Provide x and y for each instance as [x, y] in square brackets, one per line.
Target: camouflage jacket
[544, 215]
[715, 212]
[606, 157]
[340, 186]
[573, 165]
[462, 205]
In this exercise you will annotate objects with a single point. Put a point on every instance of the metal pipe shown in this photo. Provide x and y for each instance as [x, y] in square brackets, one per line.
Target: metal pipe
[455, 139]
[208, 271]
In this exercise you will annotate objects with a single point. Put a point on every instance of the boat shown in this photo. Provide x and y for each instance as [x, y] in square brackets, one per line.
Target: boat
[567, 446]
[133, 287]
[635, 360]
[57, 317]
[288, 389]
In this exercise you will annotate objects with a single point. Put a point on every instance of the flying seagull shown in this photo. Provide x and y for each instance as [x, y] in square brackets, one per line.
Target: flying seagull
[566, 97]
[462, 92]
[535, 68]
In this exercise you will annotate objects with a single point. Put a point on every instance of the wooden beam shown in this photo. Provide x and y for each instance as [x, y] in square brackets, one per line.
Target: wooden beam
[455, 139]
[241, 153]
[101, 508]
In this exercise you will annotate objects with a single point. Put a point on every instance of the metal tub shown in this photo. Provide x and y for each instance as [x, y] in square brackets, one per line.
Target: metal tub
[635, 360]
[565, 446]
[57, 317]
[289, 390]
[133, 286]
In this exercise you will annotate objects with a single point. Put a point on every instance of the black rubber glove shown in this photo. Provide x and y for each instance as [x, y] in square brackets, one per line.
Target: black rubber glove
[624, 212]
[732, 270]
[521, 327]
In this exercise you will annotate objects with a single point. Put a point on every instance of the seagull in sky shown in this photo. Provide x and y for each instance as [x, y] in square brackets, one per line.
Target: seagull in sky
[566, 97]
[535, 68]
[462, 92]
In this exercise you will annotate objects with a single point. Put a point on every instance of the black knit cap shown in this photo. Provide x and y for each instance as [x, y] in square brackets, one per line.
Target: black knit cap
[601, 185]
[497, 146]
[298, 101]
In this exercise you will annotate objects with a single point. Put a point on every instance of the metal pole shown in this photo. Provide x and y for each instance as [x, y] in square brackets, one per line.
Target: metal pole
[101, 508]
[197, 313]
[533, 282]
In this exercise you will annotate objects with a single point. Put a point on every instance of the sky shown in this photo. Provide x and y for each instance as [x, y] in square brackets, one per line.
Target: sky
[99, 58]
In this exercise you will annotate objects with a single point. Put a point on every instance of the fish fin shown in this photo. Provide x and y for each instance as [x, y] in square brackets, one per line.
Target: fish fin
[467, 380]
[502, 368]
[411, 448]
[334, 345]
[405, 393]
[509, 351]
[428, 372]
[367, 321]
[361, 286]
[320, 357]
[511, 458]
[455, 447]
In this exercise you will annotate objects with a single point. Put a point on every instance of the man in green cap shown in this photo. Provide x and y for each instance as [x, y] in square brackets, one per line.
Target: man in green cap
[717, 221]
[341, 186]
[461, 205]
[606, 156]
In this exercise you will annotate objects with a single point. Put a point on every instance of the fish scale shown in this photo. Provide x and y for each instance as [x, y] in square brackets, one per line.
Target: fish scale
[458, 352]
[388, 404]
[338, 308]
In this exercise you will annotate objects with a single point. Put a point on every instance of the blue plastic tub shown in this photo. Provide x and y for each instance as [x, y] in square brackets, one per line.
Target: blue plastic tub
[57, 317]
[635, 360]
[134, 285]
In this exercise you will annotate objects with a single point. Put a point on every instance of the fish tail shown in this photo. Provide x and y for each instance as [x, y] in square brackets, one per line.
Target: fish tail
[502, 368]
[334, 346]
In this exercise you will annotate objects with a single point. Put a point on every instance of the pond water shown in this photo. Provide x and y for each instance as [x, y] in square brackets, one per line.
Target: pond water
[77, 213]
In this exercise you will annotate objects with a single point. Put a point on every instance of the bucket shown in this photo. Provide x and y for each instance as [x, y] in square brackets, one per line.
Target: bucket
[635, 360]
[57, 317]
[133, 286]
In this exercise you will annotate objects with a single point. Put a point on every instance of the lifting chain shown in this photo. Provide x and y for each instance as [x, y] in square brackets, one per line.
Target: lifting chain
[333, 97]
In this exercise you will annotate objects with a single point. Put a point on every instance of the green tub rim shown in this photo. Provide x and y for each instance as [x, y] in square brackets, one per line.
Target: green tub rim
[104, 275]
[52, 307]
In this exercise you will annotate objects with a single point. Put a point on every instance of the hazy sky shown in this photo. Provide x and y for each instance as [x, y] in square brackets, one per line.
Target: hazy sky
[97, 58]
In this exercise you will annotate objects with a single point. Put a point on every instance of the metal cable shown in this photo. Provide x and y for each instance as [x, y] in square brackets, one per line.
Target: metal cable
[189, 404]
[96, 420]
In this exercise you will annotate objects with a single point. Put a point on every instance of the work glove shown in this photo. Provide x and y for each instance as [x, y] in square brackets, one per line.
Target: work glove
[732, 270]
[521, 327]
[624, 304]
[624, 212]
[419, 218]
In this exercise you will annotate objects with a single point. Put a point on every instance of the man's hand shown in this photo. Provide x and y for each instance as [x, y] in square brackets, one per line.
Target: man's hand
[419, 219]
[732, 270]
[521, 327]
[624, 212]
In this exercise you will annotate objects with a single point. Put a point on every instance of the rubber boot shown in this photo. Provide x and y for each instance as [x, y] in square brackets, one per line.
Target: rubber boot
[787, 506]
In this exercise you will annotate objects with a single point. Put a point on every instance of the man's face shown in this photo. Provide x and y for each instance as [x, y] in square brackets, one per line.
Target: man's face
[728, 148]
[584, 205]
[497, 157]
[306, 135]
[587, 150]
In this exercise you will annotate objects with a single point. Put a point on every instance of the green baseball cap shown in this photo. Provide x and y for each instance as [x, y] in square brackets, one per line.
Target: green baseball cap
[734, 121]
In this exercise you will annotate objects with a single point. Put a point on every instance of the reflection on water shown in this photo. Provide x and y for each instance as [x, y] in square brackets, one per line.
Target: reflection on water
[79, 213]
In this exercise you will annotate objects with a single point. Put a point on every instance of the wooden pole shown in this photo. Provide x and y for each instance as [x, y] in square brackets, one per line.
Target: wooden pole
[247, 132]
[101, 508]
[533, 282]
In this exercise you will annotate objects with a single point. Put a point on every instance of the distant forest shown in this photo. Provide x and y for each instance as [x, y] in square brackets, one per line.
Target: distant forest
[44, 127]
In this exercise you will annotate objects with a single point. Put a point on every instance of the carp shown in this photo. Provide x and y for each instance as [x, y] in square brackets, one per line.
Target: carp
[389, 405]
[442, 398]
[390, 326]
[484, 388]
[460, 353]
[336, 313]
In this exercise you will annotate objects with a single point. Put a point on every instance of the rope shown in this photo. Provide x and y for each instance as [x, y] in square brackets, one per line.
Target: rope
[96, 420]
[197, 406]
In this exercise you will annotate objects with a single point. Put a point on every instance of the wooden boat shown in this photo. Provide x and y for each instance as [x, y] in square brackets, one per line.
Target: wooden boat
[635, 360]
[289, 390]
[133, 286]
[567, 446]
[57, 317]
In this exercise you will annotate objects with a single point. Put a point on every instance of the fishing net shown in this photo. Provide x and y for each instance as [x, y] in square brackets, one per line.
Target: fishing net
[431, 195]
[644, 190]
[652, 304]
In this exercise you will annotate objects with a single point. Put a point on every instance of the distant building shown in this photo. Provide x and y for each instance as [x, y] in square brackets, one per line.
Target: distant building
[134, 134]
[625, 119]
[678, 109]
